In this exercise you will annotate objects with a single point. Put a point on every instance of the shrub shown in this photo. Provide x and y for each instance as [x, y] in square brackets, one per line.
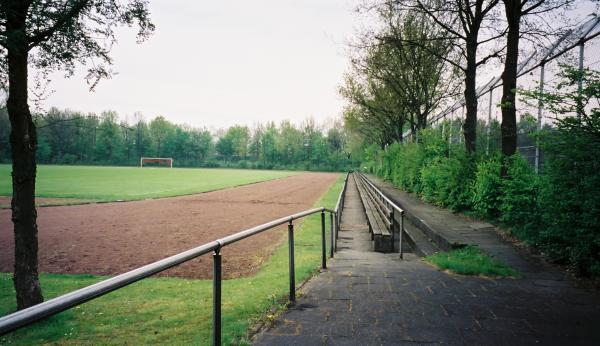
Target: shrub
[432, 143]
[446, 181]
[406, 170]
[519, 200]
[432, 175]
[461, 185]
[571, 201]
[487, 188]
[570, 198]
[68, 159]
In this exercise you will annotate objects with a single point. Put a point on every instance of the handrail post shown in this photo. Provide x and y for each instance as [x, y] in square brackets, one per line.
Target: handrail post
[217, 297]
[291, 262]
[393, 230]
[338, 217]
[331, 235]
[401, 234]
[323, 241]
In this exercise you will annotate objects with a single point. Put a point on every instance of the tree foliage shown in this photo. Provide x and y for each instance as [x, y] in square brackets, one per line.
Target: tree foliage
[396, 83]
[70, 137]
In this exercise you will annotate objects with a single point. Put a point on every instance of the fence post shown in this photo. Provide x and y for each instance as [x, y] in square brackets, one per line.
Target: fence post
[323, 241]
[580, 81]
[489, 129]
[331, 246]
[461, 130]
[217, 297]
[539, 117]
[450, 125]
[291, 262]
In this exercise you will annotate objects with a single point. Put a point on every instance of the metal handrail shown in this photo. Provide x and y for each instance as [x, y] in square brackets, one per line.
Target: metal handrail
[384, 197]
[339, 207]
[393, 205]
[56, 305]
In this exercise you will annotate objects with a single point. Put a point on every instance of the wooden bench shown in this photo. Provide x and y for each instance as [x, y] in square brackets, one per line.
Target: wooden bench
[379, 217]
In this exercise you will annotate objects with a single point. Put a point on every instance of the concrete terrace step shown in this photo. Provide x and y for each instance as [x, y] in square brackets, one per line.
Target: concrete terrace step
[421, 245]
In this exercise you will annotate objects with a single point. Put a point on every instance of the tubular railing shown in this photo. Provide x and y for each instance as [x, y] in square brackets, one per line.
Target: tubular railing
[397, 212]
[339, 207]
[67, 301]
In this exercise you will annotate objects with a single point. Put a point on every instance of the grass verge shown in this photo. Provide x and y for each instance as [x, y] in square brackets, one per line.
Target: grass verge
[470, 260]
[101, 183]
[171, 310]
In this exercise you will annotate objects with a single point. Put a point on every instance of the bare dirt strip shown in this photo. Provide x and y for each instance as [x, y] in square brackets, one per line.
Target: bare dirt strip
[45, 202]
[112, 238]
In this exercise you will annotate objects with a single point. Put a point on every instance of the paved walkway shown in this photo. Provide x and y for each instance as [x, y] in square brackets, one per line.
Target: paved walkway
[369, 298]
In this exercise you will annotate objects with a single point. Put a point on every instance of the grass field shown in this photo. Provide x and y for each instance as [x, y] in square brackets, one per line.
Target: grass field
[171, 310]
[97, 183]
[470, 260]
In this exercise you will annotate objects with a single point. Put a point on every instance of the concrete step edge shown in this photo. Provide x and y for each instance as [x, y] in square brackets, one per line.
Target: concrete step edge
[422, 245]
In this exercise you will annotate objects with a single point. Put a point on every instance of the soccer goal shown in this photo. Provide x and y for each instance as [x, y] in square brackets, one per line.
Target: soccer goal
[158, 161]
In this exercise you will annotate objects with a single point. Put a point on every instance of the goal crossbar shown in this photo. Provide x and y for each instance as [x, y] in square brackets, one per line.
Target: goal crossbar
[156, 160]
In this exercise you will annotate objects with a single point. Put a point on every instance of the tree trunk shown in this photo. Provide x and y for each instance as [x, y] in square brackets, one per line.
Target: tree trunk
[509, 78]
[470, 124]
[24, 142]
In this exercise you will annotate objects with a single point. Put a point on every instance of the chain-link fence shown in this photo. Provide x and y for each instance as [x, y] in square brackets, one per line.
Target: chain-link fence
[578, 47]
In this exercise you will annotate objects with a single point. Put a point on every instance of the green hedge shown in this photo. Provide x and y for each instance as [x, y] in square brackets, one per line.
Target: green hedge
[557, 211]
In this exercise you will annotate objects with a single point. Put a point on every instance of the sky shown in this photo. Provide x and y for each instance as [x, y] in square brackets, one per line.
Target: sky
[220, 63]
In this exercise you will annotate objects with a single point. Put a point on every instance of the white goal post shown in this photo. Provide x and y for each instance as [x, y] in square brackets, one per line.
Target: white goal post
[157, 160]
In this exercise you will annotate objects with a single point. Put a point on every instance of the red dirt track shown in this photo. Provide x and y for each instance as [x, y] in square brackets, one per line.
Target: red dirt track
[112, 238]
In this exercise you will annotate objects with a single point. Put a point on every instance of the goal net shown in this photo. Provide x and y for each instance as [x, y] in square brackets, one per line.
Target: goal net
[156, 162]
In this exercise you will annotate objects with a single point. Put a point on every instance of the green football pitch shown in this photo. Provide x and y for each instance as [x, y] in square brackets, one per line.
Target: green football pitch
[100, 183]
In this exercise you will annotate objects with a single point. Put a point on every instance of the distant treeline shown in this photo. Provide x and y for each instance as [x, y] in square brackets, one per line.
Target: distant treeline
[68, 137]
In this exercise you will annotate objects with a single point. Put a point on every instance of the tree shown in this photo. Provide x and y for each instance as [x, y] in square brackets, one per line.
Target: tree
[240, 137]
[397, 81]
[514, 11]
[268, 144]
[202, 144]
[335, 138]
[128, 140]
[109, 138]
[375, 112]
[414, 72]
[225, 147]
[255, 140]
[159, 130]
[142, 138]
[289, 142]
[462, 23]
[49, 35]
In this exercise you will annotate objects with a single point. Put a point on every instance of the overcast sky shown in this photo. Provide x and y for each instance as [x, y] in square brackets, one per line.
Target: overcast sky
[218, 63]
